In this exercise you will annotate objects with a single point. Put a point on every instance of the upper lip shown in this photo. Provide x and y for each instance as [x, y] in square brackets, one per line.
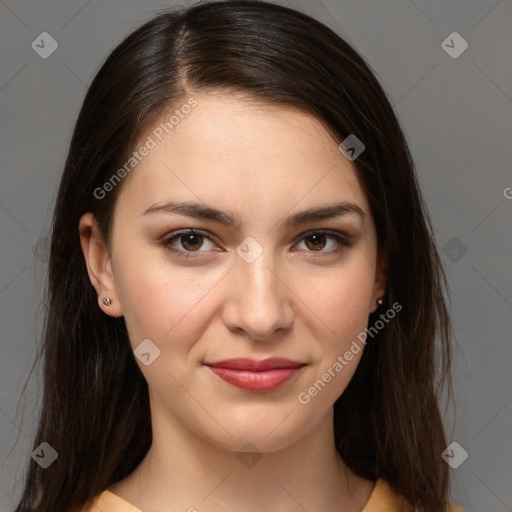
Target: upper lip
[254, 365]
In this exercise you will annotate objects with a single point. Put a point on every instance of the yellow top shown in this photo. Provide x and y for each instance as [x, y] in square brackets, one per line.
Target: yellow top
[382, 499]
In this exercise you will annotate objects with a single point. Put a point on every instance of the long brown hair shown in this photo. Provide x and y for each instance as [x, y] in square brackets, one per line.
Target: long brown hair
[95, 411]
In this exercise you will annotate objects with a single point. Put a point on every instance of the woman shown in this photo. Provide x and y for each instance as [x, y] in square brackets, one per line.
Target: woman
[246, 306]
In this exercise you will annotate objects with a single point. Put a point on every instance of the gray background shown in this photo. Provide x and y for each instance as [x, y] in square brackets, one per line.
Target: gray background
[457, 117]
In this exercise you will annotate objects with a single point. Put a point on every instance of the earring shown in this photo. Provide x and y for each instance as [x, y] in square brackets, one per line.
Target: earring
[379, 301]
[106, 301]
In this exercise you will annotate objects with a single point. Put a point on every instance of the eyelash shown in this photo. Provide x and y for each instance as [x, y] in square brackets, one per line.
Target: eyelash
[166, 243]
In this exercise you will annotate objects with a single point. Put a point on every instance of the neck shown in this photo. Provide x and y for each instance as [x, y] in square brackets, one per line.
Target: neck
[183, 471]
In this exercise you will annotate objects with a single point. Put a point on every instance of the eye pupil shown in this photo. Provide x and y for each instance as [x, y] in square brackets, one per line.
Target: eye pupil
[191, 239]
[316, 243]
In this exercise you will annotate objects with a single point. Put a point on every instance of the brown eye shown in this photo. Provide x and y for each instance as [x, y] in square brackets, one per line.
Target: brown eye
[185, 242]
[191, 241]
[317, 241]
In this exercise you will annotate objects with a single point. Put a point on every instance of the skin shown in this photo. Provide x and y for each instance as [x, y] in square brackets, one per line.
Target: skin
[296, 300]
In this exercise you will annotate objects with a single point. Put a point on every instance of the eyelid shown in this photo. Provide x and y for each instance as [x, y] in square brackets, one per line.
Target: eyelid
[331, 232]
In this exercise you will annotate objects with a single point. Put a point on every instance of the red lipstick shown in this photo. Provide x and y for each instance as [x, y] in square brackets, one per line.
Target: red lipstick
[252, 375]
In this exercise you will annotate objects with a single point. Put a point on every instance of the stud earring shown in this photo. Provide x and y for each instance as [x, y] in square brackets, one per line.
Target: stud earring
[379, 301]
[106, 301]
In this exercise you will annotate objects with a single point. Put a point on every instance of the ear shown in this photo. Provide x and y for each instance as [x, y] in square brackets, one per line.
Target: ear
[99, 264]
[379, 286]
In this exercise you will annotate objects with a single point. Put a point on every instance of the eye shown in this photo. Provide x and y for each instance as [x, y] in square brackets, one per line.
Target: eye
[191, 240]
[316, 241]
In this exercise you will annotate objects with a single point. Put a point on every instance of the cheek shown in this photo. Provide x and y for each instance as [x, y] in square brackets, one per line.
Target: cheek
[163, 302]
[340, 304]
[341, 298]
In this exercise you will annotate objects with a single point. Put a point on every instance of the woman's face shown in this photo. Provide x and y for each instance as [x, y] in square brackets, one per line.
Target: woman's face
[256, 287]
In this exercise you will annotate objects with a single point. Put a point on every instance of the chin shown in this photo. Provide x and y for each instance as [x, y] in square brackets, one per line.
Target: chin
[268, 431]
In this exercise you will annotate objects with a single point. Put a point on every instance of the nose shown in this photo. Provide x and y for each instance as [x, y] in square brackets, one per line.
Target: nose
[259, 298]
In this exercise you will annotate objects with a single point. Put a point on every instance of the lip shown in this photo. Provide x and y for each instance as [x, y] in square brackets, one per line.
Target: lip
[253, 375]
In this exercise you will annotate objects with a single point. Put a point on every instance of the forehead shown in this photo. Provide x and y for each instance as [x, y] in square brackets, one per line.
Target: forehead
[228, 149]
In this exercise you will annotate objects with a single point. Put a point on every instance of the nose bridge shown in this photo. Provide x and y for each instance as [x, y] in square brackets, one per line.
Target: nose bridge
[256, 270]
[260, 301]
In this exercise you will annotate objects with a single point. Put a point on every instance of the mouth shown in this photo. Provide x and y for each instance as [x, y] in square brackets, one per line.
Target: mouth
[256, 376]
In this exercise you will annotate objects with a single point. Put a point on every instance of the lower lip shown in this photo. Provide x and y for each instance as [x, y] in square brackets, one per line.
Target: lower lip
[266, 380]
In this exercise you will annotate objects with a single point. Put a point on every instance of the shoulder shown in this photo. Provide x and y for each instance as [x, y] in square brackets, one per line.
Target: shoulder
[454, 508]
[107, 501]
[384, 499]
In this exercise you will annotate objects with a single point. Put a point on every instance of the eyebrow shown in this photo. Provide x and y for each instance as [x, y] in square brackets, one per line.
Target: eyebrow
[231, 220]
